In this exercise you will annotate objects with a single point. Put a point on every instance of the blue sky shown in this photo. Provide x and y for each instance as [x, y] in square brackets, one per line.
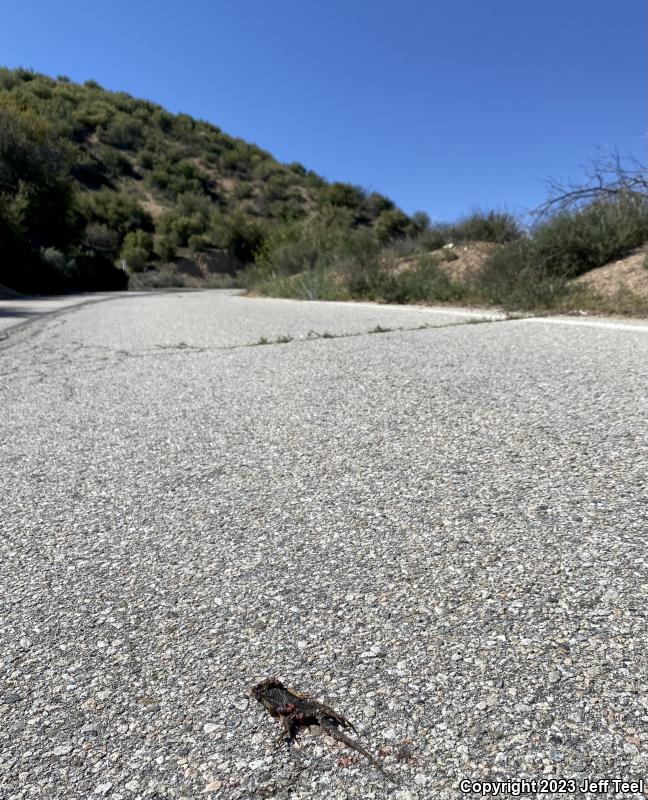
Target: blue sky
[444, 105]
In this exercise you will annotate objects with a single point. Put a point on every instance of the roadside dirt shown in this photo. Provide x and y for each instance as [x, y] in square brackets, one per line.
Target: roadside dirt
[626, 276]
[460, 262]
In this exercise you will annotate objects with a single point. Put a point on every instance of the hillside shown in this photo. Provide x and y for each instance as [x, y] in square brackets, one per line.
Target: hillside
[99, 190]
[89, 177]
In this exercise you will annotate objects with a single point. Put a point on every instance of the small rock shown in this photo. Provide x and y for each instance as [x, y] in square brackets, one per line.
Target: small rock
[375, 651]
[63, 750]
[103, 788]
[90, 731]
[210, 727]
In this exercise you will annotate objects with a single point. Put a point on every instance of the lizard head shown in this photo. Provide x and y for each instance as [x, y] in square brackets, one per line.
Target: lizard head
[261, 688]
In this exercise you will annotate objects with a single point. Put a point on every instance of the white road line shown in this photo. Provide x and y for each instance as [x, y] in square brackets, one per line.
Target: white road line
[637, 327]
[478, 313]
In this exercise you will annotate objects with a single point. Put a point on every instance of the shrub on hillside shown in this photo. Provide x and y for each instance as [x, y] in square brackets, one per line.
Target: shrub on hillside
[433, 238]
[516, 277]
[101, 239]
[393, 224]
[91, 114]
[240, 236]
[377, 203]
[38, 204]
[90, 172]
[92, 272]
[420, 222]
[426, 282]
[116, 164]
[118, 211]
[343, 195]
[199, 242]
[573, 242]
[137, 250]
[489, 226]
[165, 248]
[291, 257]
[178, 228]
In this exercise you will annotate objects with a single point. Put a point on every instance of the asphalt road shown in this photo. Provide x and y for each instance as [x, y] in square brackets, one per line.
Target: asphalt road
[437, 527]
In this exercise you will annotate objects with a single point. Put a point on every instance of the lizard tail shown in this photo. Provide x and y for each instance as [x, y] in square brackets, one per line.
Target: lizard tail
[335, 733]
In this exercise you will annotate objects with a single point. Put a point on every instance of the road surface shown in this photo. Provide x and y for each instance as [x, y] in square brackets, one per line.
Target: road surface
[438, 527]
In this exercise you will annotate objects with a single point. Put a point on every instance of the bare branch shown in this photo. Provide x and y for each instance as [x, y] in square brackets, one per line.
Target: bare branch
[608, 177]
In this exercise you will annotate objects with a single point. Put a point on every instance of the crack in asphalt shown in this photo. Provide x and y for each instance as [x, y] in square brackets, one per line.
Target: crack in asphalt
[313, 336]
[114, 356]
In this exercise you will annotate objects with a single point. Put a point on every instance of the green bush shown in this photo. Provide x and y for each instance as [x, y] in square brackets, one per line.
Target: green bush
[571, 243]
[198, 242]
[515, 277]
[343, 195]
[484, 226]
[122, 131]
[534, 272]
[240, 236]
[137, 250]
[179, 228]
[38, 204]
[102, 239]
[433, 238]
[391, 225]
[91, 114]
[313, 284]
[174, 178]
[426, 282]
[420, 222]
[118, 211]
[146, 159]
[290, 258]
[377, 203]
[90, 172]
[192, 204]
[165, 248]
[115, 163]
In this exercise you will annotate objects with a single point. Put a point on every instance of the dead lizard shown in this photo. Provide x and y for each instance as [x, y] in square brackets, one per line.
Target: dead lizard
[296, 710]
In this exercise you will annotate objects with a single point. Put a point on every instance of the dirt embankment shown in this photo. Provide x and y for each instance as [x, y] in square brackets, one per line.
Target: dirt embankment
[460, 262]
[627, 276]
[620, 287]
